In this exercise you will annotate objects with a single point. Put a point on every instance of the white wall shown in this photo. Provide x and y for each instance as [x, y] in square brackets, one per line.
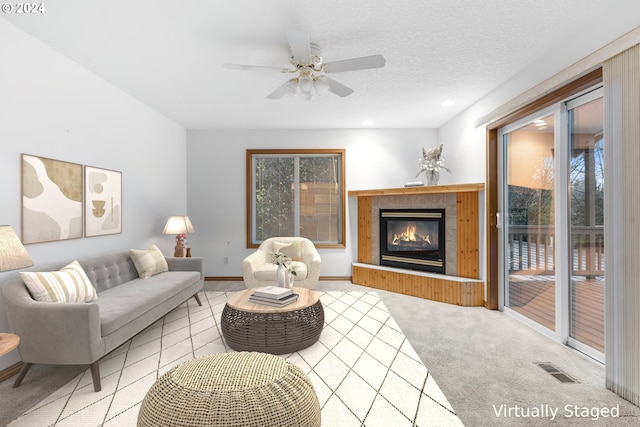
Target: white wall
[52, 107]
[376, 158]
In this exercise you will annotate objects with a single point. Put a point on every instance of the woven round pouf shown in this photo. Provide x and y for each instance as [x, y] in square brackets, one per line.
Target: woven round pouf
[232, 389]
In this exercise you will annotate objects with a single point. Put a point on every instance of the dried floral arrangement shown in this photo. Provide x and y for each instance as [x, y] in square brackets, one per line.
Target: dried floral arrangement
[430, 163]
[281, 259]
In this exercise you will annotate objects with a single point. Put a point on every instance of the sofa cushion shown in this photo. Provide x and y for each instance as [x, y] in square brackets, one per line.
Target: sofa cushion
[69, 284]
[148, 262]
[126, 302]
[268, 271]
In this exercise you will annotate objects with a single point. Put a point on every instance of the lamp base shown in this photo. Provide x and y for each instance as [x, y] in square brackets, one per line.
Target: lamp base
[178, 250]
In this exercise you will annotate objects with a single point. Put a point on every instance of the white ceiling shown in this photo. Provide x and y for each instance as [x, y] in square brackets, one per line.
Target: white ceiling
[169, 54]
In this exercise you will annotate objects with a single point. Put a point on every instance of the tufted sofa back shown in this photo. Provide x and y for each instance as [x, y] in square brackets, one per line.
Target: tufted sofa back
[109, 270]
[105, 271]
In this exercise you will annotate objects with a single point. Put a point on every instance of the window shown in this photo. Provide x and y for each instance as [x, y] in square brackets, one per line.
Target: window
[296, 193]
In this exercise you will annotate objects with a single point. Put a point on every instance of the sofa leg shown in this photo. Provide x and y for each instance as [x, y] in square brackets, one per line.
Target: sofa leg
[23, 372]
[95, 374]
[197, 297]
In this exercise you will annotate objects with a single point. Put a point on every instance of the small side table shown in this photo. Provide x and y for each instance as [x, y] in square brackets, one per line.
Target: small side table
[8, 342]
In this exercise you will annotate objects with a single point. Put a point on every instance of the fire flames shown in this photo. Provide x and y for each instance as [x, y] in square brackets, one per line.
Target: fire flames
[410, 235]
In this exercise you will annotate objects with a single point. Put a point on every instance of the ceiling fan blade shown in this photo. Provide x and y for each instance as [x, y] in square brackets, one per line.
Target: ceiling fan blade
[289, 87]
[300, 46]
[255, 68]
[354, 64]
[337, 88]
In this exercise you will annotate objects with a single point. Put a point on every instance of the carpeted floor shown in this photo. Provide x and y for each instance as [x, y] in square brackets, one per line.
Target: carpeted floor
[363, 368]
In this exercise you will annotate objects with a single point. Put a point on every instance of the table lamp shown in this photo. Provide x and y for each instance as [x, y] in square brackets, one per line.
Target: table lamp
[12, 254]
[179, 225]
[12, 257]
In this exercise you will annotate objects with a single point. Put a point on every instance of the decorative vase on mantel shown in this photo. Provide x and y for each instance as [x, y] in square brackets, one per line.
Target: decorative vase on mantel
[432, 177]
[430, 163]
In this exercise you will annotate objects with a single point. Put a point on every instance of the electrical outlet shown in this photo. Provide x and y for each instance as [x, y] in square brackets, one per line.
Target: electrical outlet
[226, 260]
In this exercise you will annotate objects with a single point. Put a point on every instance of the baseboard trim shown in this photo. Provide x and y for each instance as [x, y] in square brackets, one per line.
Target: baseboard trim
[239, 278]
[10, 371]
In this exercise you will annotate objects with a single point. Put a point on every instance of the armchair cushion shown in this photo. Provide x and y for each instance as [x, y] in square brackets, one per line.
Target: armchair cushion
[267, 272]
[69, 284]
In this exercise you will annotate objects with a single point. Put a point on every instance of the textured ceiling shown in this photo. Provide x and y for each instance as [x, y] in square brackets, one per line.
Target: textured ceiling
[169, 54]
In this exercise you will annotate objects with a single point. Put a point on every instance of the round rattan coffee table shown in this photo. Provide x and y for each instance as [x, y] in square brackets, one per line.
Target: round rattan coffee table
[248, 326]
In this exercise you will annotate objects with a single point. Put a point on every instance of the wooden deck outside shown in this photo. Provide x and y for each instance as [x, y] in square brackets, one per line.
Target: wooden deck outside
[531, 261]
[534, 297]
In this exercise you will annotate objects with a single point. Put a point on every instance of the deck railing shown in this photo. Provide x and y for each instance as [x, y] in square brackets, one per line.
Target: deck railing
[532, 249]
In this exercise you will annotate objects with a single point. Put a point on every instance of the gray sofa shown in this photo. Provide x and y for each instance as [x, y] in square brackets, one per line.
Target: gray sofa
[81, 333]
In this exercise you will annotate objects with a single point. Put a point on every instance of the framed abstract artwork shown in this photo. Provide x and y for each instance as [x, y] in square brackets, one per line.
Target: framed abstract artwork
[51, 200]
[102, 202]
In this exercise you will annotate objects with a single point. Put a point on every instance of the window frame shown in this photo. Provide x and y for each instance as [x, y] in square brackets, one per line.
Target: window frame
[250, 205]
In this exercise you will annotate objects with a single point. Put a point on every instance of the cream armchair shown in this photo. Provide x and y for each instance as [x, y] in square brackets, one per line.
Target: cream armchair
[258, 270]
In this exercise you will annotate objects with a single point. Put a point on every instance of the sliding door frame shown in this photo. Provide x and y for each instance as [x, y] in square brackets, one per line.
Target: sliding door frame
[492, 187]
[560, 221]
[584, 348]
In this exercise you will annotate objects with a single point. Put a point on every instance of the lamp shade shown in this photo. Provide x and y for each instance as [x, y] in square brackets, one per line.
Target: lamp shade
[179, 224]
[12, 254]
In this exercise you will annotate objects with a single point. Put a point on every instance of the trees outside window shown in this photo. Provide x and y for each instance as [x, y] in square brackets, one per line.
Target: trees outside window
[296, 193]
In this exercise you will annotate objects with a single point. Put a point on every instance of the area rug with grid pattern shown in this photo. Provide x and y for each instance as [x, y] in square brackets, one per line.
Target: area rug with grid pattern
[363, 369]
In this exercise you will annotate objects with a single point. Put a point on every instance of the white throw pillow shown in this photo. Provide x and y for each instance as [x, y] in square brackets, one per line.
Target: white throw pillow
[291, 249]
[148, 262]
[69, 284]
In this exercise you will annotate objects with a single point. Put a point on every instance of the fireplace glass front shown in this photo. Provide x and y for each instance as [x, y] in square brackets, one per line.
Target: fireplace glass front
[413, 239]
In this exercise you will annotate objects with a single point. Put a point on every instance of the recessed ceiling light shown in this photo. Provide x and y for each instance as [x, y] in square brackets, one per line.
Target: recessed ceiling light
[447, 103]
[367, 123]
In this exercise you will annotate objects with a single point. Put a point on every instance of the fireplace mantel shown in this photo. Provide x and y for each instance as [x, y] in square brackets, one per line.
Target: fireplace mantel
[433, 189]
[462, 286]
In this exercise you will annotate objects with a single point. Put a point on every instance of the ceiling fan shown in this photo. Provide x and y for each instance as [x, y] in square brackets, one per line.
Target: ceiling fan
[311, 79]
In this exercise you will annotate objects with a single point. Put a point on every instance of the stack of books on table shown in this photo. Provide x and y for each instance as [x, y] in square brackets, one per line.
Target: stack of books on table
[273, 295]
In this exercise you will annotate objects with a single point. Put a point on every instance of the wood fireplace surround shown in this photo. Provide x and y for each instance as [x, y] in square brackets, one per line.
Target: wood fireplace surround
[460, 284]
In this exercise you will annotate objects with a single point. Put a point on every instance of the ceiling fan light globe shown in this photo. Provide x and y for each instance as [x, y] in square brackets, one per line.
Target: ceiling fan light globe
[305, 84]
[320, 85]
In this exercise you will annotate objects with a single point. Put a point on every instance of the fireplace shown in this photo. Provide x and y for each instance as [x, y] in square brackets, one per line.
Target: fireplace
[413, 239]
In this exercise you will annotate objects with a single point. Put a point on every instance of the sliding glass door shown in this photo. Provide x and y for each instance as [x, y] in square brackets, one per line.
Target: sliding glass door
[529, 224]
[586, 196]
[552, 233]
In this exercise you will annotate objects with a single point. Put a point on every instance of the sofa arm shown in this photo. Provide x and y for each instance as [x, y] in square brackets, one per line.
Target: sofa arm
[186, 264]
[53, 333]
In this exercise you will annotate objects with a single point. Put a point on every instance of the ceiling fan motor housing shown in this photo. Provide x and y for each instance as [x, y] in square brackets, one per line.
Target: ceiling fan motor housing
[316, 58]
